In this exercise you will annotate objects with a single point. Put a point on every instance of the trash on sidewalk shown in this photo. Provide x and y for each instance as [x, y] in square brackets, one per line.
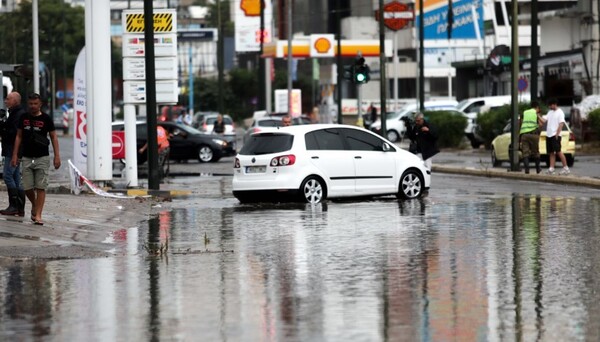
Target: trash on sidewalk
[78, 181]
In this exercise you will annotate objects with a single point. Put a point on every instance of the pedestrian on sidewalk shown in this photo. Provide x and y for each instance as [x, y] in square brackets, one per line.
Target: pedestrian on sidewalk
[555, 121]
[529, 123]
[425, 135]
[12, 175]
[32, 134]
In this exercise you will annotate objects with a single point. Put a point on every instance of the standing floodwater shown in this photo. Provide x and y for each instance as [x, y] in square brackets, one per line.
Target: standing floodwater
[513, 262]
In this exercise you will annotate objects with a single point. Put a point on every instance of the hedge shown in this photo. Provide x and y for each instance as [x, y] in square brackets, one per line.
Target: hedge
[450, 126]
[594, 121]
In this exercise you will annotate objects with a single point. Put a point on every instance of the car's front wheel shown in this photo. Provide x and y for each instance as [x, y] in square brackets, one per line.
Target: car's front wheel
[312, 190]
[205, 154]
[495, 161]
[411, 185]
[392, 135]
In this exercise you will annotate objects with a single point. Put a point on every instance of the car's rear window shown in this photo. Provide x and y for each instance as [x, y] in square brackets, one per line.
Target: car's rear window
[267, 143]
[269, 123]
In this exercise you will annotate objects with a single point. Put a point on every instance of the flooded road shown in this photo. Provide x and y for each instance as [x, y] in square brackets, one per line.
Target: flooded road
[476, 260]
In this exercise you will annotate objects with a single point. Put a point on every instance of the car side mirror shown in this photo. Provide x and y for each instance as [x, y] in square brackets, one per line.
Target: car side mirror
[386, 147]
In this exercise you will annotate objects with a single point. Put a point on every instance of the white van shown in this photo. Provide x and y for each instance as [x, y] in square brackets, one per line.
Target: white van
[395, 126]
[473, 106]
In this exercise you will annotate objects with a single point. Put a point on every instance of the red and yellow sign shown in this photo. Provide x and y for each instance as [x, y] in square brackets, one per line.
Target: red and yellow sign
[251, 8]
[304, 47]
[321, 45]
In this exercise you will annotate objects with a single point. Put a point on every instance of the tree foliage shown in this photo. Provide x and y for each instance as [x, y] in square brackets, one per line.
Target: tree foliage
[61, 35]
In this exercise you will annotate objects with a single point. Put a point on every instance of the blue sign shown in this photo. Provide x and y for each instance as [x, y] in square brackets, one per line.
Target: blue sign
[522, 84]
[435, 22]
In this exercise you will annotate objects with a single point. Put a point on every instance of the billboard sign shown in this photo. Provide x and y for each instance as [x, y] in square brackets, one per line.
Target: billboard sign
[464, 22]
[247, 24]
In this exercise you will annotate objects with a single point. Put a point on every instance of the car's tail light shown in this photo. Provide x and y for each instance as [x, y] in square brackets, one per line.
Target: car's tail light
[286, 160]
[236, 163]
[571, 136]
[255, 130]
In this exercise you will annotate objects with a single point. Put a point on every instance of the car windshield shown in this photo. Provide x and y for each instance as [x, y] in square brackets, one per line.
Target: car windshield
[267, 143]
[189, 129]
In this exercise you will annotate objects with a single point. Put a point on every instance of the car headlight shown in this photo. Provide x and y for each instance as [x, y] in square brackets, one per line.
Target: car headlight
[220, 142]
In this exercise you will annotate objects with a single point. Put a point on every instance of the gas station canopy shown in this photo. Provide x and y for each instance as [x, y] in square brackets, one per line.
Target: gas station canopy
[323, 46]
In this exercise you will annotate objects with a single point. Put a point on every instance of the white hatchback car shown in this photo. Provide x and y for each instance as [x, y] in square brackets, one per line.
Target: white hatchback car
[314, 162]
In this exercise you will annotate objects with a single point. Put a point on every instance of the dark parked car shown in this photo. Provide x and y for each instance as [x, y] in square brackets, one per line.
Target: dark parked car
[185, 142]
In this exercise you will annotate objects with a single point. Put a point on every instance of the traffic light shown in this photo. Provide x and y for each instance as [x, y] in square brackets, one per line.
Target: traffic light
[361, 72]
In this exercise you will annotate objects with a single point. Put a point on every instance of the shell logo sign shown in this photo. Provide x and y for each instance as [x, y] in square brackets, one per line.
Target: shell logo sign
[321, 45]
[251, 8]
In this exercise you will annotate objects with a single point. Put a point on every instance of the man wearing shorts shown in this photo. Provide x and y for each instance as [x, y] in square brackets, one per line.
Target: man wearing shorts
[32, 133]
[555, 121]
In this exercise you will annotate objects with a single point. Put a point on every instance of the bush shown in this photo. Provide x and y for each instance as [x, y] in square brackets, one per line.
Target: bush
[491, 124]
[450, 126]
[594, 121]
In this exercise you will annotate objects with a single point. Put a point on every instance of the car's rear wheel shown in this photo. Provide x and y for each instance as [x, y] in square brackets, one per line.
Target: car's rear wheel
[495, 161]
[205, 154]
[392, 135]
[313, 190]
[411, 184]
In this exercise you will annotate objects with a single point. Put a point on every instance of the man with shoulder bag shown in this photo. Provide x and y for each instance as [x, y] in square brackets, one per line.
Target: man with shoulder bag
[32, 134]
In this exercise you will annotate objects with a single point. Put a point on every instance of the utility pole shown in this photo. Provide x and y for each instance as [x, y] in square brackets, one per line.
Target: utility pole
[338, 88]
[421, 58]
[36, 47]
[290, 56]
[153, 172]
[514, 157]
[535, 53]
[261, 63]
[382, 80]
[220, 57]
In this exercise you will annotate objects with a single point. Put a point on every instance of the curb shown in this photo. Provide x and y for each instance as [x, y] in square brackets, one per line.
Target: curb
[556, 179]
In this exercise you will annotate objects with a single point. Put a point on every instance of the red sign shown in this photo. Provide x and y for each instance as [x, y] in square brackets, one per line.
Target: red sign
[118, 144]
[396, 15]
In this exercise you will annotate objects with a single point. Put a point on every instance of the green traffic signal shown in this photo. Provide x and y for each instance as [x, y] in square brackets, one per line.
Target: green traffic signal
[361, 74]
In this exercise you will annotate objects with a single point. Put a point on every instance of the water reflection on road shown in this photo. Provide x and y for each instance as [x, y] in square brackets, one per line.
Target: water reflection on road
[457, 265]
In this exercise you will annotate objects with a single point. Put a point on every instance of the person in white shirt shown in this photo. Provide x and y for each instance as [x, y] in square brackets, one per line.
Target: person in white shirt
[555, 121]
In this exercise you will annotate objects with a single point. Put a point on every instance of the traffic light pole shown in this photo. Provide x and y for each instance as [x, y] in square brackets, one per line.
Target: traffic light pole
[383, 80]
[359, 120]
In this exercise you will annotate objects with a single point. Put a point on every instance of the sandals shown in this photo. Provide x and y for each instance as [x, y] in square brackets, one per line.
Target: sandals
[35, 221]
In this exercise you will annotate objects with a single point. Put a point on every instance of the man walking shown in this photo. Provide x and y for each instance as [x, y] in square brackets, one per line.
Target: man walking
[12, 175]
[530, 136]
[425, 135]
[555, 120]
[32, 133]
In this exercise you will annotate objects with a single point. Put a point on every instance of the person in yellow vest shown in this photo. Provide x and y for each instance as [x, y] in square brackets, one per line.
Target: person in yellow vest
[529, 137]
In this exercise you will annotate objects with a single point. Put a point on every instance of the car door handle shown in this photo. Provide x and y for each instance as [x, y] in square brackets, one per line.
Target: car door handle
[357, 157]
[314, 157]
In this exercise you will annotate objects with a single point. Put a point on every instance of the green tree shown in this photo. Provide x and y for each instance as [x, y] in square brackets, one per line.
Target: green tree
[61, 35]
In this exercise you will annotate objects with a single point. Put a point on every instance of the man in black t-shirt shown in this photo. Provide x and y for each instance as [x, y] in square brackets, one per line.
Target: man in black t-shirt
[32, 134]
[12, 175]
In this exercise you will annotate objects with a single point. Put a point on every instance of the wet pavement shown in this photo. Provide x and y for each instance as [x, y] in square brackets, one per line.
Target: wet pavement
[477, 259]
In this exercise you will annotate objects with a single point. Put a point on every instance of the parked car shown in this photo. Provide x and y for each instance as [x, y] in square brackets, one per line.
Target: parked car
[501, 146]
[395, 126]
[185, 142]
[208, 122]
[473, 106]
[260, 124]
[312, 163]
